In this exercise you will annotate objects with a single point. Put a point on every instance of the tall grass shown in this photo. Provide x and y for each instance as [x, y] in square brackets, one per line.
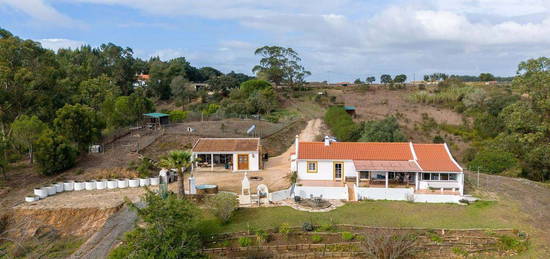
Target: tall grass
[448, 96]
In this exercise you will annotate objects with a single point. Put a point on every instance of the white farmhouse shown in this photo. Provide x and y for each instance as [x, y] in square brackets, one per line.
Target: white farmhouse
[219, 154]
[378, 171]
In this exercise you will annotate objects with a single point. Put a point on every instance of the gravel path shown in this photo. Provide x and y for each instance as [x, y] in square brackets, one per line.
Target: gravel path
[99, 245]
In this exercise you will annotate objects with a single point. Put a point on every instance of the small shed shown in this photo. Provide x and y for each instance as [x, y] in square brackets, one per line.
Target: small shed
[235, 154]
[156, 119]
[350, 110]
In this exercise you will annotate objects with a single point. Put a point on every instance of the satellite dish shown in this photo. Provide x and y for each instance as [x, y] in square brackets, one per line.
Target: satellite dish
[251, 129]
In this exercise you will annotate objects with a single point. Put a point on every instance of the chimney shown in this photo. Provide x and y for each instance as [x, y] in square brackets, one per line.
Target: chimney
[327, 141]
[296, 142]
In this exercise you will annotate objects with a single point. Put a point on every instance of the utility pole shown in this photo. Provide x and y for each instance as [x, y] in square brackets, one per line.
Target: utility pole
[478, 177]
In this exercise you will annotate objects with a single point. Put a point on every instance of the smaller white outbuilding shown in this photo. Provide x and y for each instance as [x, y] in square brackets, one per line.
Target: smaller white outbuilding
[234, 154]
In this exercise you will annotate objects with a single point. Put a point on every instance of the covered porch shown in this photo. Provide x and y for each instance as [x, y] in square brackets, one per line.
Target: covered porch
[371, 179]
[212, 162]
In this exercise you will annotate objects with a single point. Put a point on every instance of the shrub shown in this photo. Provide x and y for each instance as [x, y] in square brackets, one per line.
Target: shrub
[341, 124]
[308, 227]
[54, 153]
[244, 241]
[262, 236]
[385, 244]
[168, 221]
[509, 243]
[285, 229]
[326, 227]
[293, 177]
[222, 205]
[493, 161]
[435, 237]
[316, 238]
[386, 130]
[347, 236]
[177, 115]
[459, 251]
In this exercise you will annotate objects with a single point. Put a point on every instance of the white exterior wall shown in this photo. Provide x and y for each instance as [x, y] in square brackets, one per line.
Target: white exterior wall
[395, 194]
[332, 193]
[436, 198]
[459, 183]
[325, 170]
[253, 161]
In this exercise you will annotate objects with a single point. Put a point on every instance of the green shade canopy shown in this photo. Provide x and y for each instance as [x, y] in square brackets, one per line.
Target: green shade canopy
[156, 115]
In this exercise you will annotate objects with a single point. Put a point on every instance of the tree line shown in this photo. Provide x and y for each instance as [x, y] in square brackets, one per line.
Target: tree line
[53, 105]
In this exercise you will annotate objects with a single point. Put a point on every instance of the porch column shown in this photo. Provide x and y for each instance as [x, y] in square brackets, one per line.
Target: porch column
[387, 173]
[416, 181]
[212, 162]
[192, 162]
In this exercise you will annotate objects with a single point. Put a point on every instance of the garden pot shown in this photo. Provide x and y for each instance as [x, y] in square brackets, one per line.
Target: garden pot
[155, 181]
[51, 190]
[42, 192]
[31, 198]
[132, 183]
[112, 184]
[79, 186]
[68, 186]
[59, 187]
[90, 185]
[101, 185]
[122, 183]
[144, 182]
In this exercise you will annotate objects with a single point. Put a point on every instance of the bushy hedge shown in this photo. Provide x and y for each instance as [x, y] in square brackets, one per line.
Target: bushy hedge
[341, 124]
[493, 161]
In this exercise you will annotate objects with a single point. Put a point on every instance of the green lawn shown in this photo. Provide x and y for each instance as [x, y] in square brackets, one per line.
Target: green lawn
[382, 213]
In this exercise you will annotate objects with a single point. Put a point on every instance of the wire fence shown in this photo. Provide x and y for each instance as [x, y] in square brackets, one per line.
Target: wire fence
[479, 180]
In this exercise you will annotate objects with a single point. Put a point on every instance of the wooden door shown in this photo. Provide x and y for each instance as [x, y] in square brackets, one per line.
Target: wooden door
[243, 162]
[338, 170]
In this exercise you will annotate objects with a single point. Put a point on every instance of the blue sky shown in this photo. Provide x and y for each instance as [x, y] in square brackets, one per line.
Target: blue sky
[338, 40]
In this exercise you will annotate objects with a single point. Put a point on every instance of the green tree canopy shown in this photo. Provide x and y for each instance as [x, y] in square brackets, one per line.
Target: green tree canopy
[170, 230]
[385, 79]
[386, 130]
[54, 153]
[485, 77]
[26, 130]
[280, 65]
[79, 123]
[493, 161]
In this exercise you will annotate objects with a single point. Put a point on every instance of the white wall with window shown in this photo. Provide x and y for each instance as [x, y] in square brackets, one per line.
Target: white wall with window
[443, 181]
[324, 169]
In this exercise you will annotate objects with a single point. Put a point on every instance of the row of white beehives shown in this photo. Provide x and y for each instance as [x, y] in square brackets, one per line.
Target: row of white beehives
[41, 193]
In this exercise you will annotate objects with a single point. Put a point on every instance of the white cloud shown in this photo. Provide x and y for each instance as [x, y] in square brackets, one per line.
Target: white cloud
[55, 44]
[40, 11]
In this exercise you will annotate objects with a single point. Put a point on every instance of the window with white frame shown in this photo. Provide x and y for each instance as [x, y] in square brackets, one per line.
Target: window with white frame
[312, 166]
[453, 177]
[434, 177]
[363, 175]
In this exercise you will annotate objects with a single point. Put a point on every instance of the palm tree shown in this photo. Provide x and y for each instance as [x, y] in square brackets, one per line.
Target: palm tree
[177, 159]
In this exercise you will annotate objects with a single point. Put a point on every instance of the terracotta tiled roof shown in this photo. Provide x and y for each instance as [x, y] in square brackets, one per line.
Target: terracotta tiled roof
[435, 158]
[355, 151]
[226, 144]
[396, 157]
[394, 166]
[143, 77]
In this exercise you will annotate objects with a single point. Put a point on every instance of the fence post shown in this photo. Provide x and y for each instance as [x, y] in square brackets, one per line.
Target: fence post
[478, 177]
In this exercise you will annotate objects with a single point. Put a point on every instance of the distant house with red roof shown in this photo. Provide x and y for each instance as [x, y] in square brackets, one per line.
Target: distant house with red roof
[368, 170]
[141, 80]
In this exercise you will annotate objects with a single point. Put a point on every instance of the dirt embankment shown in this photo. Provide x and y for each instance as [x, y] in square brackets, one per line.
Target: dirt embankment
[79, 222]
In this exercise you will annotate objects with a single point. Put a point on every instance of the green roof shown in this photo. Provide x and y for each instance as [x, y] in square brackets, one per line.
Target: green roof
[349, 108]
[156, 115]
